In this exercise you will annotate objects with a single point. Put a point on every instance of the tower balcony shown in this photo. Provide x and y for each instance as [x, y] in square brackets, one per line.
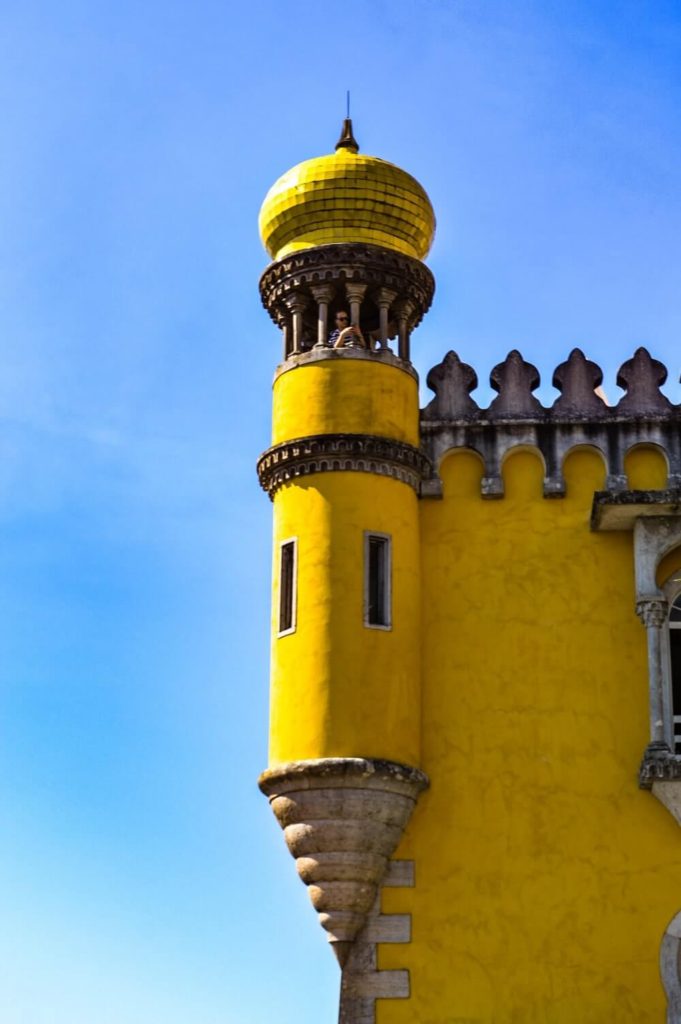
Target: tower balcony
[385, 293]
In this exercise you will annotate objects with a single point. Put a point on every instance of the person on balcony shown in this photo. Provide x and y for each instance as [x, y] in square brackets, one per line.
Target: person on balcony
[346, 333]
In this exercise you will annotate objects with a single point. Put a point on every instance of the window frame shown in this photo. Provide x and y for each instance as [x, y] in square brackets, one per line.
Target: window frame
[293, 541]
[386, 626]
[672, 592]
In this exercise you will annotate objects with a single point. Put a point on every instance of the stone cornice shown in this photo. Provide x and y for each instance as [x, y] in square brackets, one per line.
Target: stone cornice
[322, 453]
[371, 265]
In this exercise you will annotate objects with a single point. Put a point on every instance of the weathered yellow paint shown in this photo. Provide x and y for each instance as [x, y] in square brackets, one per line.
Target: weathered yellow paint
[345, 395]
[544, 877]
[646, 468]
[670, 565]
[339, 688]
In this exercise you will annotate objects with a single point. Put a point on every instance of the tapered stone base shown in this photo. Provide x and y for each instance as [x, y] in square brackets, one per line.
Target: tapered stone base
[342, 819]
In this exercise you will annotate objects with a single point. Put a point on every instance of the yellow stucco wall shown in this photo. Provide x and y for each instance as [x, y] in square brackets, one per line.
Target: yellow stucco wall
[516, 675]
[339, 688]
[345, 395]
[544, 877]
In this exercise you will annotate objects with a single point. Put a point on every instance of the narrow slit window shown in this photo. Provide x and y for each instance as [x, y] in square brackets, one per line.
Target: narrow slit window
[377, 583]
[675, 657]
[287, 587]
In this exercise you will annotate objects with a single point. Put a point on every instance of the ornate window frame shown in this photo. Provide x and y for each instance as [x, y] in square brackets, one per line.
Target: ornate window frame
[655, 537]
[655, 519]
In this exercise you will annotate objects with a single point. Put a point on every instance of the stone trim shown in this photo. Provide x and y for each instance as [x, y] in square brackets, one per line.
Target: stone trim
[343, 819]
[353, 263]
[362, 983]
[323, 453]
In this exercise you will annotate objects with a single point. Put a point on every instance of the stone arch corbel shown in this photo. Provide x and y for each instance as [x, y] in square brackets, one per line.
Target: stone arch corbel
[524, 439]
[578, 442]
[652, 445]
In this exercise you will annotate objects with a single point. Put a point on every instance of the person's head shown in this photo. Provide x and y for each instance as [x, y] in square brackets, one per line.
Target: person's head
[342, 319]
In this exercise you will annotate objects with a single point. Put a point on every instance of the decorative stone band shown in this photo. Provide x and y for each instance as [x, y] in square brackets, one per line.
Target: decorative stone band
[323, 453]
[370, 265]
[343, 819]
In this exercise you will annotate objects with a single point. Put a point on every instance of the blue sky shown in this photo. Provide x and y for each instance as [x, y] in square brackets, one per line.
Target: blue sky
[142, 876]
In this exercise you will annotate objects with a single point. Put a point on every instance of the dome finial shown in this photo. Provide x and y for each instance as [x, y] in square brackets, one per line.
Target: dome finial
[347, 140]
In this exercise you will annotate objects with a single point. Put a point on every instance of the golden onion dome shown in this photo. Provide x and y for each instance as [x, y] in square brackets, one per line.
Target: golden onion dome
[346, 197]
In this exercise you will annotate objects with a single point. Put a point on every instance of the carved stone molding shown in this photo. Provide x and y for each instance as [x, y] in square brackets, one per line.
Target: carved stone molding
[370, 265]
[323, 453]
[342, 820]
[362, 982]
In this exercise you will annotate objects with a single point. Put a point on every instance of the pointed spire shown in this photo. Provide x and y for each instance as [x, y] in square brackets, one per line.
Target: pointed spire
[347, 140]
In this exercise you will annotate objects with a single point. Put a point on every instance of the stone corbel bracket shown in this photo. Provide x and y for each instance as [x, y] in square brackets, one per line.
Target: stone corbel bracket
[343, 819]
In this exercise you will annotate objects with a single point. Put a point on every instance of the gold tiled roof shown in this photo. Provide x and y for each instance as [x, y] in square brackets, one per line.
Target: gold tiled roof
[346, 197]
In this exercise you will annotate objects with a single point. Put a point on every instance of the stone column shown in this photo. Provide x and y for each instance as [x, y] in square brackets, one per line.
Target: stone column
[384, 298]
[355, 293]
[323, 293]
[285, 327]
[296, 304]
[403, 311]
[653, 613]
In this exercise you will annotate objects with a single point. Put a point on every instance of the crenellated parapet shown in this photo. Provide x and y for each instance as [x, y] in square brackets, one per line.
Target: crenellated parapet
[578, 417]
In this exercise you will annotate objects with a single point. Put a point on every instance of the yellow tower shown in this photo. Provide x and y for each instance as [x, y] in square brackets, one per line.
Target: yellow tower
[481, 602]
[347, 233]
